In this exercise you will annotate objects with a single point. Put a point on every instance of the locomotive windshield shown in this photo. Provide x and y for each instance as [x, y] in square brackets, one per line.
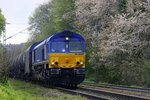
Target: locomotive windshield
[63, 46]
[58, 46]
[75, 46]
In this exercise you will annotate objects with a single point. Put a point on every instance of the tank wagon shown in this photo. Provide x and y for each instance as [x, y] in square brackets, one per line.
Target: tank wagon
[59, 59]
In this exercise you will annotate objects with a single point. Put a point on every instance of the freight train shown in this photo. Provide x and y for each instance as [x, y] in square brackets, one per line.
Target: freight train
[59, 59]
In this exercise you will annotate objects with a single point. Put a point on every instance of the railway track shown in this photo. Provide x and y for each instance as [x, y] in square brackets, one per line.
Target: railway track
[85, 94]
[112, 95]
[95, 94]
[121, 87]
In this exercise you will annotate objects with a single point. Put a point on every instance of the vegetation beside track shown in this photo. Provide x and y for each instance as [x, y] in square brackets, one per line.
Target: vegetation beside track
[19, 90]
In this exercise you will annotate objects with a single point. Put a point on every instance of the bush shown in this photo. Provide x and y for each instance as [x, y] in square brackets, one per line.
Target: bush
[122, 6]
[7, 93]
[4, 66]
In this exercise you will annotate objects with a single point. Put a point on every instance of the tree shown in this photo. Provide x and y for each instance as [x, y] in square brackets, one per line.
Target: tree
[50, 18]
[2, 22]
[40, 18]
[118, 37]
[64, 14]
[3, 68]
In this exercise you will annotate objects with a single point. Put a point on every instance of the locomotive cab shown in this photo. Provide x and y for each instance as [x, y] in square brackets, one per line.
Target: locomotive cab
[67, 57]
[67, 54]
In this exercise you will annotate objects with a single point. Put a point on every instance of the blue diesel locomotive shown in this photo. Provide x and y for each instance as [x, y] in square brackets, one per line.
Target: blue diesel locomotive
[60, 59]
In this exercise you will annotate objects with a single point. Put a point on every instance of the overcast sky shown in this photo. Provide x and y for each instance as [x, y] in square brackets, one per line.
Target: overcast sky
[17, 13]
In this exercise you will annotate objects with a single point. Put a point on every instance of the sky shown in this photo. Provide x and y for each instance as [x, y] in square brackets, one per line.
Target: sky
[17, 13]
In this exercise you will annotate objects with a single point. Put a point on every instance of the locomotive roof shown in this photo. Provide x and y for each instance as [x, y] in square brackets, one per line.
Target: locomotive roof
[65, 33]
[33, 45]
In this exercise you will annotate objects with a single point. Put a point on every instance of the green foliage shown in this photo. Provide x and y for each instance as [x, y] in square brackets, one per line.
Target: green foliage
[89, 66]
[40, 18]
[3, 66]
[147, 73]
[3, 78]
[2, 22]
[18, 90]
[7, 93]
[1, 49]
[63, 14]
[122, 6]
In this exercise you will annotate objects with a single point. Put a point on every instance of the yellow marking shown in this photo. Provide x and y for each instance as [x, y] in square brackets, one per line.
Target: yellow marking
[67, 60]
[40, 63]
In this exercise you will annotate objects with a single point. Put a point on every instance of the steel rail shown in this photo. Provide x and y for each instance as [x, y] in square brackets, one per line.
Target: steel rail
[77, 92]
[121, 87]
[113, 95]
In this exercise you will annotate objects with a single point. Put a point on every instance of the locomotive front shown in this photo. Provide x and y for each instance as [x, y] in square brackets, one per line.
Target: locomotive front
[67, 57]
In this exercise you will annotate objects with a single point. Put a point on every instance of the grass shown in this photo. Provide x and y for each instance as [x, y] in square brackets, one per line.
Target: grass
[89, 80]
[19, 90]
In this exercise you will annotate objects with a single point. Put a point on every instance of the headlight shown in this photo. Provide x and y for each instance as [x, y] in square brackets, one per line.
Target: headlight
[53, 63]
[79, 63]
[67, 38]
